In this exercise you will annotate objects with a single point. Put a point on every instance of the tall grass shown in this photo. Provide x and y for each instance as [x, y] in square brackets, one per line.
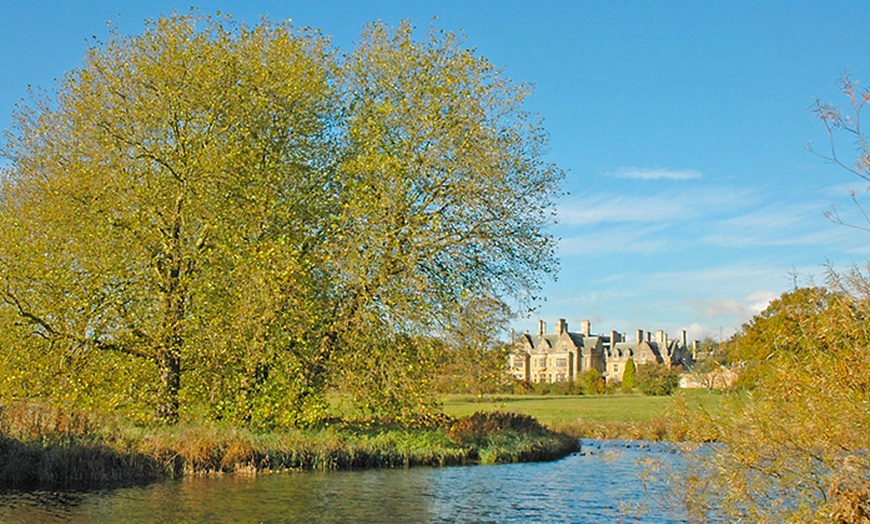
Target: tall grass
[41, 444]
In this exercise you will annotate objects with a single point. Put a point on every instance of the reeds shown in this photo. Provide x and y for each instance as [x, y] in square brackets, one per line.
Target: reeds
[41, 444]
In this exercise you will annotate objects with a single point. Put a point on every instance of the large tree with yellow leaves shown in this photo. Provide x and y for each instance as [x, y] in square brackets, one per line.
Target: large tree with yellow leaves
[232, 218]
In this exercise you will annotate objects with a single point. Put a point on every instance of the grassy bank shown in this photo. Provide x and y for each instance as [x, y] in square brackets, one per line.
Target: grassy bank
[626, 416]
[41, 445]
[46, 445]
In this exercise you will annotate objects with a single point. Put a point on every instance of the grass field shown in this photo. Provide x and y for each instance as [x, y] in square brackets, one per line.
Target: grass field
[566, 410]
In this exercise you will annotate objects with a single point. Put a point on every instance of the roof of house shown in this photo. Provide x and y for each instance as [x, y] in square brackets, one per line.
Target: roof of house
[578, 339]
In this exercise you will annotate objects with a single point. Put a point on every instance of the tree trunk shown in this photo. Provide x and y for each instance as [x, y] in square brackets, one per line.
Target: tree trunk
[169, 359]
[169, 369]
[169, 354]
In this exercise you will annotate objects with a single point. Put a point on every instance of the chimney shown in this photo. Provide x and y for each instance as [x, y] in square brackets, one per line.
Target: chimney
[660, 336]
[542, 327]
[561, 327]
[614, 338]
[649, 336]
[586, 327]
[683, 338]
[639, 336]
[513, 336]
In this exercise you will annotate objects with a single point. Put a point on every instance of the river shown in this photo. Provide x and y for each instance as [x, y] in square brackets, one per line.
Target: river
[599, 484]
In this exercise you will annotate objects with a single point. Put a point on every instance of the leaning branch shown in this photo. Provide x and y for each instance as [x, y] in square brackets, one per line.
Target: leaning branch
[52, 333]
[13, 301]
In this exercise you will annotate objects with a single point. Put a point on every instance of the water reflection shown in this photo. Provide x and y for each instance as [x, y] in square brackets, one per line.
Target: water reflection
[599, 484]
[38, 506]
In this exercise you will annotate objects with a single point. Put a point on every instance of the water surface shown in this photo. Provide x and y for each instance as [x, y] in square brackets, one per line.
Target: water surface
[599, 484]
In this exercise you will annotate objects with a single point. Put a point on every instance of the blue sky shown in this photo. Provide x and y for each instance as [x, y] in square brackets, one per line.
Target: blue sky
[682, 127]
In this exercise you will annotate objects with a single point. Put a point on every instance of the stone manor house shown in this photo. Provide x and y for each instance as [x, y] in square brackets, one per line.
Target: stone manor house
[562, 355]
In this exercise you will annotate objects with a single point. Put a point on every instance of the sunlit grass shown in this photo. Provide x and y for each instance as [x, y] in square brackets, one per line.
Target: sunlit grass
[600, 416]
[551, 409]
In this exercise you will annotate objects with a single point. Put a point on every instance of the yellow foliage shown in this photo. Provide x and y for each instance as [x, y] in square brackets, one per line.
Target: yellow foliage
[795, 448]
[237, 214]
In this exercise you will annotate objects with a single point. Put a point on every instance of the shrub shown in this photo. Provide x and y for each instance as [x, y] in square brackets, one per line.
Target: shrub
[570, 387]
[593, 382]
[543, 388]
[657, 379]
[522, 387]
[476, 429]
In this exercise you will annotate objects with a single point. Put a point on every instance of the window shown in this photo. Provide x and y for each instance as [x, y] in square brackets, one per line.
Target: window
[615, 368]
[561, 362]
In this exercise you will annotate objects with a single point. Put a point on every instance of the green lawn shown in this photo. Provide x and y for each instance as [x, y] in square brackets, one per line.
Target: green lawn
[551, 409]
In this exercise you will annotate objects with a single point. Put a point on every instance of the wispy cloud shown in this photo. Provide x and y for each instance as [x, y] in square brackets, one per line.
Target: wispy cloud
[743, 307]
[799, 224]
[609, 241]
[658, 173]
[860, 250]
[846, 189]
[710, 256]
[741, 288]
[619, 208]
[663, 206]
[716, 279]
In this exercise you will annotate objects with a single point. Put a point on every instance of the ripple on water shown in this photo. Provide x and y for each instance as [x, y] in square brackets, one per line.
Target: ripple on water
[598, 484]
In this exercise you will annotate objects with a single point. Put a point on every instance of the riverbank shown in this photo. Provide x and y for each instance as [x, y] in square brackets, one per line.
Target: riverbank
[45, 445]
